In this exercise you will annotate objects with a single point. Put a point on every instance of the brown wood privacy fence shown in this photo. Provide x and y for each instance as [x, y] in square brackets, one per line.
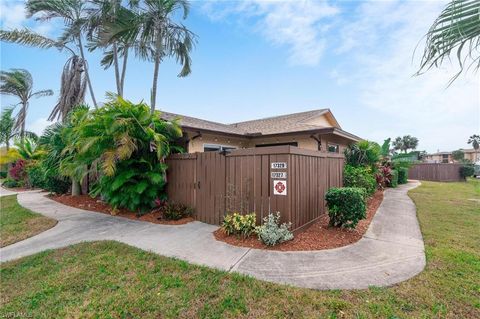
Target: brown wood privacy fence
[241, 181]
[435, 172]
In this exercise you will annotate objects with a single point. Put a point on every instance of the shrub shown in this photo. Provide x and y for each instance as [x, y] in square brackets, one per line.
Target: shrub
[35, 176]
[383, 176]
[17, 171]
[54, 183]
[467, 170]
[11, 183]
[272, 233]
[363, 153]
[394, 179]
[240, 225]
[402, 175]
[346, 206]
[359, 177]
[176, 211]
[3, 174]
[135, 185]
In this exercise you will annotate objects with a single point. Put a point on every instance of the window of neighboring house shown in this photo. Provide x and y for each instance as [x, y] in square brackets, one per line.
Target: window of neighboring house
[333, 148]
[444, 158]
[217, 148]
[277, 144]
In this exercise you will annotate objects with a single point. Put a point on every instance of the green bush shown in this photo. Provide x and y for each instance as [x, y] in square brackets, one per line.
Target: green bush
[3, 174]
[402, 175]
[346, 206]
[240, 225]
[394, 179]
[272, 232]
[36, 176]
[11, 183]
[176, 211]
[467, 170]
[135, 185]
[361, 177]
[54, 183]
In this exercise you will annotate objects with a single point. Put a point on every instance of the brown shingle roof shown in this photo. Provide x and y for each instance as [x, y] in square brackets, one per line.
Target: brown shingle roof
[289, 123]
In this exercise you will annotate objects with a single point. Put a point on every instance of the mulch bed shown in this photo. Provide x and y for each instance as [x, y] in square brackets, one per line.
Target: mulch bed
[94, 204]
[316, 237]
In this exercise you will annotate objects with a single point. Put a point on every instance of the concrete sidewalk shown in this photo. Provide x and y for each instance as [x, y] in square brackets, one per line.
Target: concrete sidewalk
[391, 251]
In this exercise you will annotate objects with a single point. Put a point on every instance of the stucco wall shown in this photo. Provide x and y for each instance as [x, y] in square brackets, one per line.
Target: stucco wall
[303, 141]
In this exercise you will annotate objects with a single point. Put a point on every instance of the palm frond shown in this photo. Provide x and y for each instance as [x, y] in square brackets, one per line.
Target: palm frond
[455, 30]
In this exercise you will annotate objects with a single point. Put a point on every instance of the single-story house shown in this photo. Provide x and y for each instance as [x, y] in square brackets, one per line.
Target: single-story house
[313, 130]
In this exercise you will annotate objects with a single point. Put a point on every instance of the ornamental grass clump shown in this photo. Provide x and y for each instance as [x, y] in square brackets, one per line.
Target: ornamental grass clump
[239, 225]
[272, 232]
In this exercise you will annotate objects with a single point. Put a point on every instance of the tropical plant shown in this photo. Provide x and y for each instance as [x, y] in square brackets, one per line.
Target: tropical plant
[386, 147]
[129, 145]
[475, 141]
[456, 28]
[156, 35]
[19, 83]
[27, 149]
[272, 232]
[239, 225]
[405, 143]
[363, 153]
[75, 14]
[8, 157]
[73, 80]
[176, 211]
[346, 206]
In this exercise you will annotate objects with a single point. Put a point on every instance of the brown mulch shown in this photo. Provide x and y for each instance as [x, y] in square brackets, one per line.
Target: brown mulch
[316, 237]
[94, 204]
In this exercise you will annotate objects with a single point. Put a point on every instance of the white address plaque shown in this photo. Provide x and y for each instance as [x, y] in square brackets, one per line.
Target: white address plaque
[279, 165]
[278, 175]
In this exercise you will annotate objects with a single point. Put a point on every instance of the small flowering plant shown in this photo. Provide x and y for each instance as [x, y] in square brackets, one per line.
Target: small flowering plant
[239, 225]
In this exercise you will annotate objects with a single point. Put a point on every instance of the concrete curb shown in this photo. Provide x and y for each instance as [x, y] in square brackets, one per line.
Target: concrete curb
[391, 251]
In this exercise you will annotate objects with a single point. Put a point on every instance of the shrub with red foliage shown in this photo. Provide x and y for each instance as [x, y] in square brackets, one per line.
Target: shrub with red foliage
[384, 176]
[17, 171]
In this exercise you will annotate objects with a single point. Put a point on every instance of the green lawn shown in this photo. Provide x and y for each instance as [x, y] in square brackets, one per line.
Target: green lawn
[112, 280]
[18, 223]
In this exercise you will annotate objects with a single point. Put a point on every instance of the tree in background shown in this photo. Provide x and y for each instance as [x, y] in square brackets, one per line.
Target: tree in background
[19, 83]
[157, 36]
[405, 143]
[386, 147]
[75, 15]
[455, 30]
[73, 80]
[475, 141]
[7, 127]
[458, 155]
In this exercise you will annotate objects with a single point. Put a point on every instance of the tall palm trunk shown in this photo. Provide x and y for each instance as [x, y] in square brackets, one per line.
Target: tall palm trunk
[153, 99]
[23, 116]
[115, 66]
[87, 73]
[124, 69]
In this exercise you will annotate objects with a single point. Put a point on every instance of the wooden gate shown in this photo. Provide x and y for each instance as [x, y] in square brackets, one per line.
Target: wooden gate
[242, 181]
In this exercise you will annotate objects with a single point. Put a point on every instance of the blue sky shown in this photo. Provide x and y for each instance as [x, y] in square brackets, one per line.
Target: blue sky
[263, 58]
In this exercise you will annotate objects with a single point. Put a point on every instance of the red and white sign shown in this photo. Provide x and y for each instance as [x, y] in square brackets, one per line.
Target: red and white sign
[279, 187]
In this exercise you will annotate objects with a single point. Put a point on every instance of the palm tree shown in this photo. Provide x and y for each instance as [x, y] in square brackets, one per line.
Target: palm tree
[19, 83]
[7, 128]
[75, 15]
[457, 28]
[105, 15]
[475, 141]
[73, 81]
[157, 36]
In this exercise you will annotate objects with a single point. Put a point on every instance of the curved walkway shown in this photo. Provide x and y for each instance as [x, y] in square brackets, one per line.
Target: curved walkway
[391, 251]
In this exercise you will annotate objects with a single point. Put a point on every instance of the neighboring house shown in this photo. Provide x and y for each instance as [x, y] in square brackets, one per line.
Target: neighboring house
[446, 157]
[313, 130]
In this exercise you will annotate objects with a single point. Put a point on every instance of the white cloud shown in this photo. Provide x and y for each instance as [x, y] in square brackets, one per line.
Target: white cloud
[301, 26]
[39, 125]
[379, 42]
[13, 15]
